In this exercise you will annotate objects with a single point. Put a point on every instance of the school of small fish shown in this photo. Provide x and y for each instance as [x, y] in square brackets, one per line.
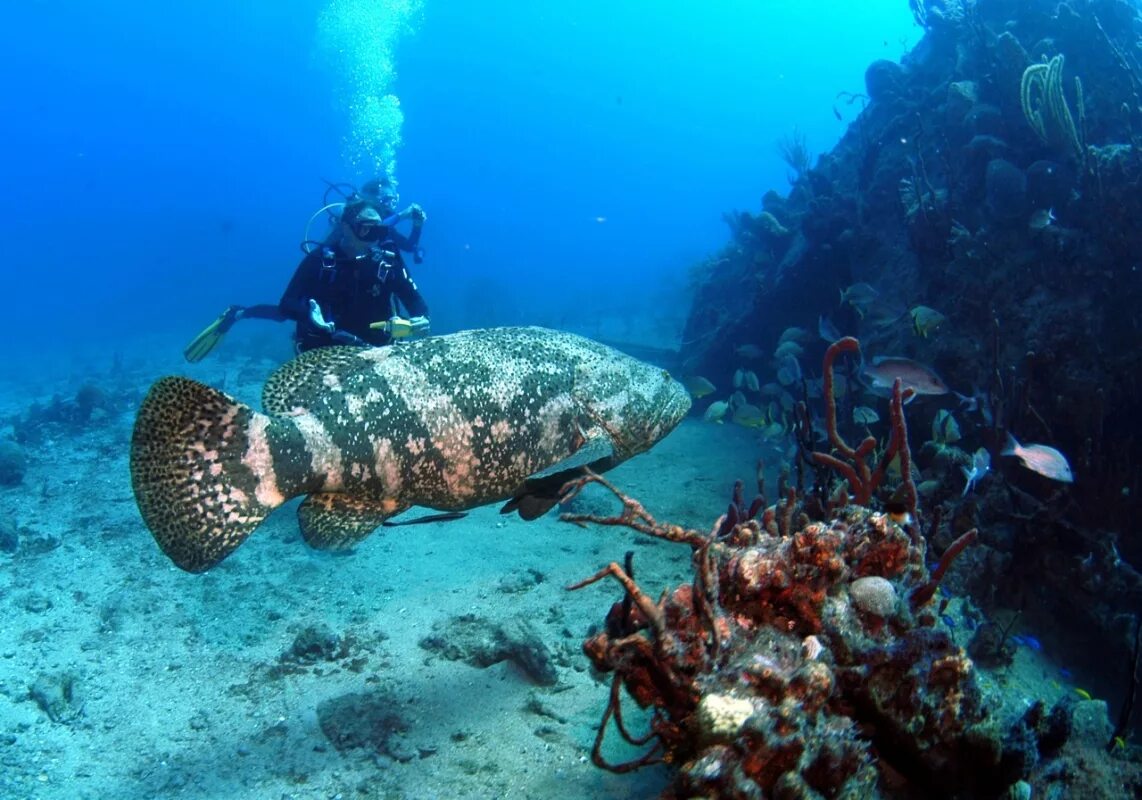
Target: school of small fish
[767, 408]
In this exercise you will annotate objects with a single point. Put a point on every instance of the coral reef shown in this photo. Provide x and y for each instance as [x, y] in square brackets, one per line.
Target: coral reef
[992, 175]
[368, 721]
[13, 463]
[774, 673]
[808, 656]
[482, 642]
[777, 672]
[90, 407]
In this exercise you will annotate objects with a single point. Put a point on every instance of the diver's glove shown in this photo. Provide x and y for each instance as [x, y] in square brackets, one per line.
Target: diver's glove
[415, 213]
[420, 326]
[346, 338]
[317, 318]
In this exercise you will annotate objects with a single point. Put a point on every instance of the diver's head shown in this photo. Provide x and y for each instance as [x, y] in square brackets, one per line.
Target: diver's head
[361, 223]
[383, 192]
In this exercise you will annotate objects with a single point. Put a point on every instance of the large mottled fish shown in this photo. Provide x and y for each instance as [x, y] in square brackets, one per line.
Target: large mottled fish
[449, 422]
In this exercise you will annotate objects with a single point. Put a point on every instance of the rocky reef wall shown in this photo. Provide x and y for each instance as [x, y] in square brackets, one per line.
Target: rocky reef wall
[995, 174]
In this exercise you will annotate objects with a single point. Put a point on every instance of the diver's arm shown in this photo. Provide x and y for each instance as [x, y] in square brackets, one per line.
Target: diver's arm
[400, 241]
[413, 239]
[268, 311]
[410, 296]
[295, 300]
[406, 244]
[411, 243]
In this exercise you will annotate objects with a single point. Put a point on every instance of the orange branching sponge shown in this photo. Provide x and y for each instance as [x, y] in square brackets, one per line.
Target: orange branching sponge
[852, 463]
[765, 674]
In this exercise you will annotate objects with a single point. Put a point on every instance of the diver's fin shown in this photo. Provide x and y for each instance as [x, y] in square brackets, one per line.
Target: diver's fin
[337, 521]
[201, 345]
[189, 473]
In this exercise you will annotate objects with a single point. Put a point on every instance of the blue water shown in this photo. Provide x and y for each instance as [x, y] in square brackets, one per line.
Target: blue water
[160, 160]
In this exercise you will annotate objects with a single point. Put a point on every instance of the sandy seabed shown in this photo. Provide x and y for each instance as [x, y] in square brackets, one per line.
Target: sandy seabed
[171, 685]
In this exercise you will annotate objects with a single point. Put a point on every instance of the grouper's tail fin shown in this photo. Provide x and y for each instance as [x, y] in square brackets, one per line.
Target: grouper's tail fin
[194, 471]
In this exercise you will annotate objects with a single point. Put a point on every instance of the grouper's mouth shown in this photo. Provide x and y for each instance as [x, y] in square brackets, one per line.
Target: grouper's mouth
[670, 406]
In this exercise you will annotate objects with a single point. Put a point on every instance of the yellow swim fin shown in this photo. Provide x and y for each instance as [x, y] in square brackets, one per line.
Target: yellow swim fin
[201, 345]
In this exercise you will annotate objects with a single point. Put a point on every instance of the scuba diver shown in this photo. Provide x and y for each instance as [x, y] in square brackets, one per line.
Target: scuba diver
[383, 194]
[346, 290]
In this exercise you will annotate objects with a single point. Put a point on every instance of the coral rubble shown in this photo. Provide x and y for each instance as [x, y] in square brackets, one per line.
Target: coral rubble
[792, 666]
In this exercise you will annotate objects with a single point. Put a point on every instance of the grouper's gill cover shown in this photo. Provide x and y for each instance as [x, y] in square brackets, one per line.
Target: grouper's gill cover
[450, 422]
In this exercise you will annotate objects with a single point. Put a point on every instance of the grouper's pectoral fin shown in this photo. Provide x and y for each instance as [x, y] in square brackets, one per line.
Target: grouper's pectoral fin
[539, 493]
[335, 521]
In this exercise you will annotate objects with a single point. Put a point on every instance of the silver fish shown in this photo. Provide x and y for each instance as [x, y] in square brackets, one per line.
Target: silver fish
[922, 379]
[827, 330]
[449, 422]
[788, 370]
[1042, 218]
[859, 295]
[1040, 458]
[976, 402]
[980, 464]
[788, 348]
[794, 334]
[716, 411]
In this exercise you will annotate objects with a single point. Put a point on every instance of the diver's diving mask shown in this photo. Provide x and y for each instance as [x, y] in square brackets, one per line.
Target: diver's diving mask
[367, 230]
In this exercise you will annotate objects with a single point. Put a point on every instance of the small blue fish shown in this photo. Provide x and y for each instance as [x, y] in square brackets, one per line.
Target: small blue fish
[948, 620]
[1025, 640]
[827, 330]
[788, 370]
[1066, 673]
[976, 402]
[1043, 218]
[980, 463]
[860, 296]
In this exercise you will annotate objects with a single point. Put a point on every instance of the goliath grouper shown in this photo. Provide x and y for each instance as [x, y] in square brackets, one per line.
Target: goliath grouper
[450, 423]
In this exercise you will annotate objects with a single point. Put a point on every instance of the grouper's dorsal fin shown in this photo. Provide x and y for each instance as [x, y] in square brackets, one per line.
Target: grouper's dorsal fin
[539, 493]
[336, 521]
[295, 383]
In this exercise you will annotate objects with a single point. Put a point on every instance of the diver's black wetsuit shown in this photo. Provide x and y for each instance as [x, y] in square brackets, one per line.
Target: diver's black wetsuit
[352, 293]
